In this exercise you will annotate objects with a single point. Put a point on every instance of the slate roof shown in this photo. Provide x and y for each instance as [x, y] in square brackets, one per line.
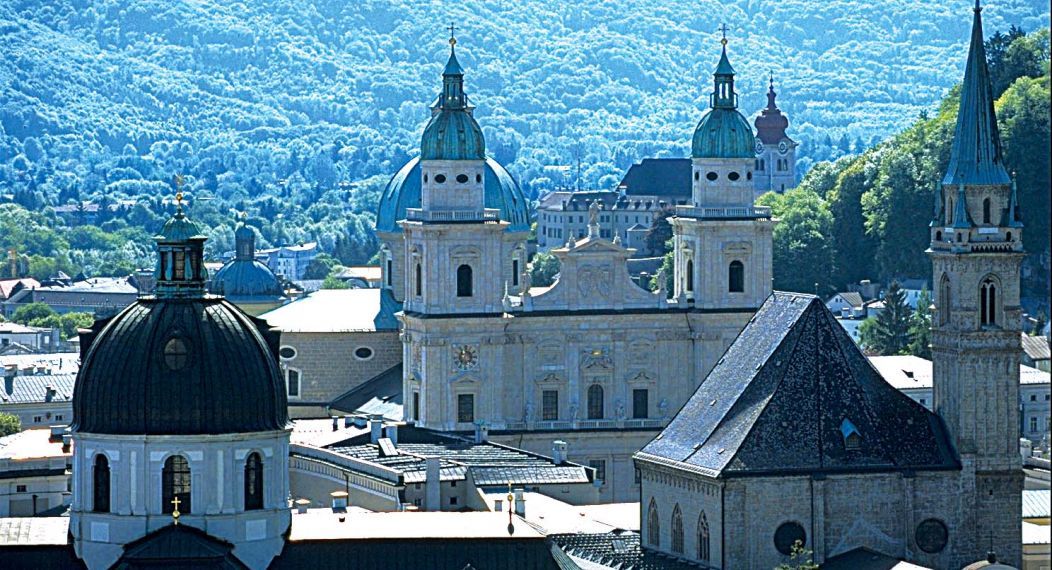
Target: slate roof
[1036, 347]
[337, 310]
[775, 403]
[852, 298]
[658, 177]
[618, 549]
[32, 388]
[176, 547]
[380, 395]
[490, 463]
[1037, 503]
[418, 553]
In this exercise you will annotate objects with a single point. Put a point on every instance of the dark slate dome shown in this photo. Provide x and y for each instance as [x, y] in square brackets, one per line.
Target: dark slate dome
[179, 367]
[245, 278]
[181, 362]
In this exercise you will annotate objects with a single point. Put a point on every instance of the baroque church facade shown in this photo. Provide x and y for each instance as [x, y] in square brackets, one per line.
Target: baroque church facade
[794, 438]
[593, 360]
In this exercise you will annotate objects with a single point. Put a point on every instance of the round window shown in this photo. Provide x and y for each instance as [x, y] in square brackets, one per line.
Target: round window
[363, 353]
[440, 178]
[712, 176]
[787, 535]
[462, 178]
[931, 536]
[734, 176]
[287, 352]
[176, 354]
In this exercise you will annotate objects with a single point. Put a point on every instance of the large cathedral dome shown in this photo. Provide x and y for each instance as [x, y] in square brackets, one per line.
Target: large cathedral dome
[180, 362]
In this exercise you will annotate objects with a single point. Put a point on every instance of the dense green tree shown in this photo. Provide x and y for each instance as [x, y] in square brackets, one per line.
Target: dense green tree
[67, 323]
[889, 332]
[9, 424]
[332, 282]
[854, 248]
[543, 269]
[920, 327]
[803, 252]
[31, 312]
[320, 267]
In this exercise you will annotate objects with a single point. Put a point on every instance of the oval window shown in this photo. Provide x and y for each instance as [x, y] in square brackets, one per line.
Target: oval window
[712, 176]
[462, 178]
[425, 178]
[478, 178]
[176, 354]
[931, 536]
[697, 176]
[787, 535]
[440, 178]
[734, 176]
[748, 175]
[287, 352]
[363, 353]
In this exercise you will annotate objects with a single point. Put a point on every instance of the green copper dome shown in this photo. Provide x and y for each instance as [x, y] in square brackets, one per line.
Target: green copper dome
[452, 133]
[723, 132]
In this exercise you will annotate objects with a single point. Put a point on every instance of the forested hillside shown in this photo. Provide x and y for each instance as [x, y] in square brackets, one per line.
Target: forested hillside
[298, 112]
[866, 217]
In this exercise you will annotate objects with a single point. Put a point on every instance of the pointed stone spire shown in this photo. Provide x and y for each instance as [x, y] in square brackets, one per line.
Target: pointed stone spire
[961, 219]
[975, 157]
[1013, 207]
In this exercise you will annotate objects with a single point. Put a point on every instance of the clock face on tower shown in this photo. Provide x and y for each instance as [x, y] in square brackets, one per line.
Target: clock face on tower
[465, 357]
[783, 147]
[759, 147]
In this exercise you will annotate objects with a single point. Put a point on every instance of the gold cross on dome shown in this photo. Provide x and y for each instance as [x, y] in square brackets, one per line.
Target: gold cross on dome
[452, 34]
[723, 28]
[175, 511]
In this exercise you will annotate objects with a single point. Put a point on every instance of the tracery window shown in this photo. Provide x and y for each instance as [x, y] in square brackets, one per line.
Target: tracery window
[653, 525]
[703, 538]
[988, 302]
[677, 530]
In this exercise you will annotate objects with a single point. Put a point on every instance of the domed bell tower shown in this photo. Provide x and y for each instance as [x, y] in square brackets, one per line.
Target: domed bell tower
[976, 251]
[723, 244]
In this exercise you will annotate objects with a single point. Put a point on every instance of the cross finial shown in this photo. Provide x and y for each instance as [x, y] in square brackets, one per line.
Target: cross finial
[771, 73]
[452, 34]
[723, 29]
[175, 511]
[178, 179]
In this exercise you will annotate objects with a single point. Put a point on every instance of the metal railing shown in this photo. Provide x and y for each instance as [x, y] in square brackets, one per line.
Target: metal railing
[716, 212]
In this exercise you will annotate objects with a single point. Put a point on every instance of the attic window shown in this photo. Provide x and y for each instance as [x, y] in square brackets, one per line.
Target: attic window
[712, 176]
[852, 438]
[176, 354]
[462, 178]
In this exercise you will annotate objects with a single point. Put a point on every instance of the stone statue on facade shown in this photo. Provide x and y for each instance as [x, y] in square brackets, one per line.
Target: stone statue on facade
[663, 408]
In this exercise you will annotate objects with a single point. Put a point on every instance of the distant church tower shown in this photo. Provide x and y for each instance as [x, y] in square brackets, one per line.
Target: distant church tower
[723, 242]
[775, 151]
[976, 251]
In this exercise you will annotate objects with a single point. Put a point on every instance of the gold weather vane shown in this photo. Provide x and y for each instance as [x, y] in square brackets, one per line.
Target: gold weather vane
[179, 191]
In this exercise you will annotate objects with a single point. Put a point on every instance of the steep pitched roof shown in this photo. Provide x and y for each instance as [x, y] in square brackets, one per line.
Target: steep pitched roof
[179, 546]
[381, 394]
[852, 298]
[1036, 347]
[658, 177]
[784, 396]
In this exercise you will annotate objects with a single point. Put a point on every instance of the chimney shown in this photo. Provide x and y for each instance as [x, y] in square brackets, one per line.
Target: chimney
[559, 452]
[376, 429]
[49, 393]
[432, 489]
[67, 441]
[391, 432]
[301, 505]
[348, 421]
[335, 423]
[56, 433]
[520, 503]
[359, 422]
[481, 432]
[339, 501]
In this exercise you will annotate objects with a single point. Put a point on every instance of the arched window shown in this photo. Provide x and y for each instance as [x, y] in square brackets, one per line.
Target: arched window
[253, 482]
[690, 276]
[677, 530]
[703, 538]
[464, 281]
[653, 525]
[175, 484]
[944, 300]
[938, 236]
[595, 402]
[762, 165]
[988, 302]
[101, 483]
[986, 210]
[736, 277]
[418, 280]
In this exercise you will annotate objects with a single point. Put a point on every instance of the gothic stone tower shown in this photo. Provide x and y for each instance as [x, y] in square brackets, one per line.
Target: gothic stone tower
[976, 251]
[723, 242]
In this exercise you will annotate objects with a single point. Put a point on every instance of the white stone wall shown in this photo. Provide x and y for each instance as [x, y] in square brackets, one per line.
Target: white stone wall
[712, 245]
[442, 190]
[724, 190]
[217, 492]
[771, 179]
[17, 492]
